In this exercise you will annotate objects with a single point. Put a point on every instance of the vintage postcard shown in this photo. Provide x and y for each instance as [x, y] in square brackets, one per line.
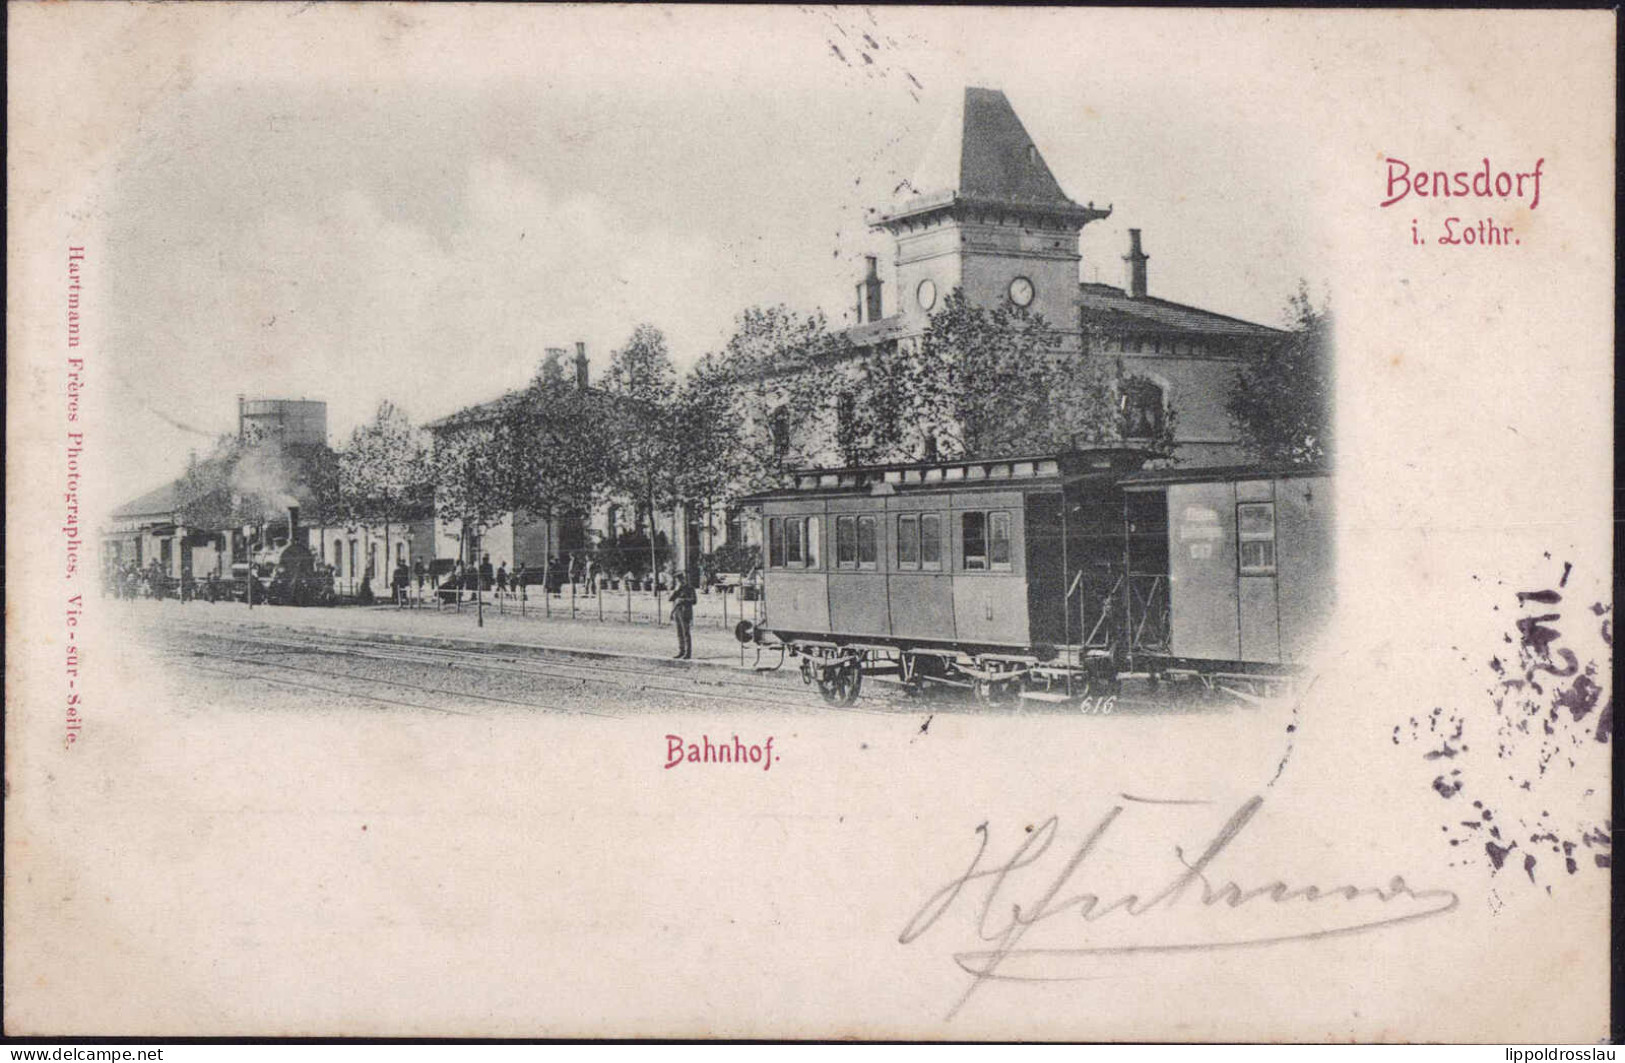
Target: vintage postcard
[823, 522]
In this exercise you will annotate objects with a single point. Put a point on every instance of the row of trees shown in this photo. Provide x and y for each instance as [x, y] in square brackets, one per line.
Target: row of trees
[786, 391]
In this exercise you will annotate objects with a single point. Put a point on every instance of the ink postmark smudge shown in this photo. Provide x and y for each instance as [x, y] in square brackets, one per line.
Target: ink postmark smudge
[1549, 723]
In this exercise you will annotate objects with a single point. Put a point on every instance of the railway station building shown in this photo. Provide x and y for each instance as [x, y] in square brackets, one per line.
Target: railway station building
[984, 213]
[535, 542]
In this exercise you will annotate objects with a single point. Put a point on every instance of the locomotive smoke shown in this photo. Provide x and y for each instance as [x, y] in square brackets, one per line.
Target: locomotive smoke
[265, 482]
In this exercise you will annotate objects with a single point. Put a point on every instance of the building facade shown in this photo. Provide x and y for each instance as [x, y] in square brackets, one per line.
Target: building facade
[985, 214]
[539, 543]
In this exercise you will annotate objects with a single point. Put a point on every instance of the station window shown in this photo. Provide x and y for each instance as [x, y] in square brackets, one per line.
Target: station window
[866, 542]
[930, 541]
[338, 558]
[1255, 534]
[846, 542]
[908, 542]
[778, 427]
[1143, 410]
[846, 415]
[775, 542]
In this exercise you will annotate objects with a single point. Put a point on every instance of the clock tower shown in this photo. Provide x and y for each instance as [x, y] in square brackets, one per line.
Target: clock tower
[985, 214]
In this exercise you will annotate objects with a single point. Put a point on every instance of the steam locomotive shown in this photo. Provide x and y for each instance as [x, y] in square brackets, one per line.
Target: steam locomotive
[280, 571]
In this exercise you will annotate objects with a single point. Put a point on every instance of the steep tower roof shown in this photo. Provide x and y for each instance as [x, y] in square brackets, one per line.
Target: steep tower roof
[983, 154]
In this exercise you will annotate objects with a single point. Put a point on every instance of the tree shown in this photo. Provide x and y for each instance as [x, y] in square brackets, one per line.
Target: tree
[786, 377]
[561, 456]
[983, 381]
[203, 496]
[705, 424]
[470, 471]
[643, 384]
[1281, 403]
[384, 475]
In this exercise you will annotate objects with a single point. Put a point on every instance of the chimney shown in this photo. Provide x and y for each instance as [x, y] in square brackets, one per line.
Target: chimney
[581, 366]
[869, 293]
[240, 399]
[1136, 259]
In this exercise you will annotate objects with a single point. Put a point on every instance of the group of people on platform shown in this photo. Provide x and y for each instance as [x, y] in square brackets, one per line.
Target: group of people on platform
[130, 580]
[584, 573]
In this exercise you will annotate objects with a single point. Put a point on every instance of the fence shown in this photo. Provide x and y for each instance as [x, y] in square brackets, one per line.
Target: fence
[722, 606]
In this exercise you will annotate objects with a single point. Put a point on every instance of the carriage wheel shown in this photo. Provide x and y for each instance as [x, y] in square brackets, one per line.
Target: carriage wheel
[840, 686]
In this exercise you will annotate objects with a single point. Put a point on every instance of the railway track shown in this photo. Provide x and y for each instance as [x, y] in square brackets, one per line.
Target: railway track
[339, 648]
[315, 661]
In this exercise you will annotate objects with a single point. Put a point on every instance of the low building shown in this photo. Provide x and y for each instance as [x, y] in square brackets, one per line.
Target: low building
[536, 542]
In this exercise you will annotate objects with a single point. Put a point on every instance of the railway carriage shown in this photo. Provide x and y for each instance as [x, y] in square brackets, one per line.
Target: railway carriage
[1045, 577]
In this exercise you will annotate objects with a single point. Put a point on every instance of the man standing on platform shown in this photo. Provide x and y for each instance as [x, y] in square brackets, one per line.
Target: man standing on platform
[400, 582]
[682, 614]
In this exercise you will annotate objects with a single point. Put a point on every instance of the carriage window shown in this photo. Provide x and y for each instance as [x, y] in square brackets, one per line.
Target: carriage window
[775, 543]
[1255, 530]
[794, 536]
[866, 542]
[846, 542]
[908, 542]
[974, 529]
[812, 541]
[998, 526]
[930, 541]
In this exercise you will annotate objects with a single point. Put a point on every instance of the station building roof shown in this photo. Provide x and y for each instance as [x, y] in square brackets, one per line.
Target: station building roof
[982, 155]
[159, 502]
[1115, 309]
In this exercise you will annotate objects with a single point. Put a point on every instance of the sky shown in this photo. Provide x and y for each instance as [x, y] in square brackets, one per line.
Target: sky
[411, 205]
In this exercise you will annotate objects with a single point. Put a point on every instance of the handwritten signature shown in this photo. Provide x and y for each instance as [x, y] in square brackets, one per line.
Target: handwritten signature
[1004, 960]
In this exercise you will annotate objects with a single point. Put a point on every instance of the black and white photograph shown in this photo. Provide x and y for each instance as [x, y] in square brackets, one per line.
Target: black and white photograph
[816, 523]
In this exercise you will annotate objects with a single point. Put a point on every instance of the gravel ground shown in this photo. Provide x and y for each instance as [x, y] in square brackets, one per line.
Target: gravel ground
[308, 660]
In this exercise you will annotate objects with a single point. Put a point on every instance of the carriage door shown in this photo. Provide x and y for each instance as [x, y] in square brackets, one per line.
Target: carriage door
[1145, 544]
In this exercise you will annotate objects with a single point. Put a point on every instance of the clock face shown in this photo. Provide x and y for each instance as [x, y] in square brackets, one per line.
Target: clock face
[926, 293]
[1021, 291]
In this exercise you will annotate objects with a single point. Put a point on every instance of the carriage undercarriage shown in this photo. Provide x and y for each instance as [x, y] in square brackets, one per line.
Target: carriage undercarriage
[1064, 676]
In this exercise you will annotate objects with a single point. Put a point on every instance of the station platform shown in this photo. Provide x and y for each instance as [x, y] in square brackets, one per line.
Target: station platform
[504, 628]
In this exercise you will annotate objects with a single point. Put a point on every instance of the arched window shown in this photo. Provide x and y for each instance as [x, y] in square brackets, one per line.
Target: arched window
[846, 415]
[1143, 410]
[779, 428]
